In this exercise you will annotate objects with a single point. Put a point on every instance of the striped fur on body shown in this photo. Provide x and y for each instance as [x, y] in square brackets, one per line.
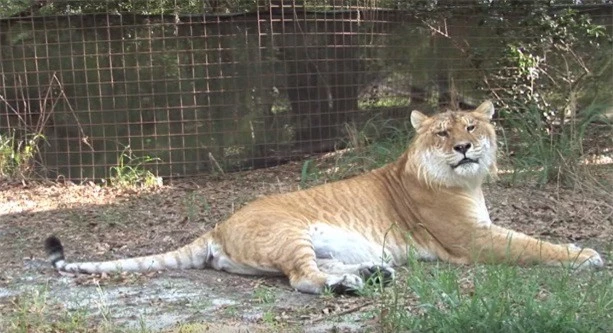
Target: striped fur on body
[428, 204]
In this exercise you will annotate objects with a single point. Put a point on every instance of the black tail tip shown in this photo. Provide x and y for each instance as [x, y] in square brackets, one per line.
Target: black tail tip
[54, 246]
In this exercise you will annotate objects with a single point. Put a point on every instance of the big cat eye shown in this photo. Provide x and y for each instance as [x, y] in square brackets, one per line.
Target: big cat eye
[442, 133]
[470, 128]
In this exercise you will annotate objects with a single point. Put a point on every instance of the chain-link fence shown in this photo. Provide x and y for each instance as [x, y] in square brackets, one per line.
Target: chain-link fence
[201, 86]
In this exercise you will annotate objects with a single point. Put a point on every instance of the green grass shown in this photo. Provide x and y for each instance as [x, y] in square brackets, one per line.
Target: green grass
[264, 295]
[426, 297]
[550, 153]
[533, 152]
[429, 297]
[17, 156]
[131, 170]
[445, 298]
[32, 311]
[376, 143]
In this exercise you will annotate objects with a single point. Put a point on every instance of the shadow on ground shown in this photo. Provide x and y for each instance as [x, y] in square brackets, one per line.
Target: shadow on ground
[99, 223]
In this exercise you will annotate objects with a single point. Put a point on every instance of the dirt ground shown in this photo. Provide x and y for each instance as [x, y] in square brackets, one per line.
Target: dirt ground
[105, 223]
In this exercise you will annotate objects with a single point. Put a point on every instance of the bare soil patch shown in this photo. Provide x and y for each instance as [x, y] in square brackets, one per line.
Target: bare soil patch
[105, 223]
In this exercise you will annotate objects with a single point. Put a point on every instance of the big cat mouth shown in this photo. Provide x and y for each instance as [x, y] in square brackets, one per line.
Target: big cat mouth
[465, 160]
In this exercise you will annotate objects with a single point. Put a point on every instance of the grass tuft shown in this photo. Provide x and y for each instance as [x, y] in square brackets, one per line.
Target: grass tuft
[130, 171]
[31, 314]
[17, 156]
[378, 142]
[498, 298]
[556, 153]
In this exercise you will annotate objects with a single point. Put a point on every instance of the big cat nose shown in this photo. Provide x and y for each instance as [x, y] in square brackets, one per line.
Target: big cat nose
[462, 147]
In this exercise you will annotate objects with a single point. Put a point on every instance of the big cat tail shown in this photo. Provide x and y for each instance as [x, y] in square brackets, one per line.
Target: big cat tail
[193, 255]
[55, 252]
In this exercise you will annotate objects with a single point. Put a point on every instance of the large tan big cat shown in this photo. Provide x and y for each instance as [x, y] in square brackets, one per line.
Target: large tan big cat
[428, 204]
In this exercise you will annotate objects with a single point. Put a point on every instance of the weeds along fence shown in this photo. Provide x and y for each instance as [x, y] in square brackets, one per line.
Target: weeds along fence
[184, 90]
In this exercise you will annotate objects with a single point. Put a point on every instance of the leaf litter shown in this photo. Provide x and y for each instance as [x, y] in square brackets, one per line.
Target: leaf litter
[97, 222]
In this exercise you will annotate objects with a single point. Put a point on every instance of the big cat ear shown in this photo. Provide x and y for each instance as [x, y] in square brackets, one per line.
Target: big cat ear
[417, 118]
[486, 108]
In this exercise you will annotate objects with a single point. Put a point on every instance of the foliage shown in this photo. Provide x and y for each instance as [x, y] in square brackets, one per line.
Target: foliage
[12, 7]
[545, 56]
[548, 69]
[498, 298]
[17, 156]
[551, 84]
[372, 145]
[130, 171]
[553, 62]
[308, 173]
[264, 295]
[551, 154]
[15, 7]
[547, 61]
[30, 310]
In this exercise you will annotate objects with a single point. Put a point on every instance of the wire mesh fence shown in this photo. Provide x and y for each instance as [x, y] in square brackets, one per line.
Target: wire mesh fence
[198, 87]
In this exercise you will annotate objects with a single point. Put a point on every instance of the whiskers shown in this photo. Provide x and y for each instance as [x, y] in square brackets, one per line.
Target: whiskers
[435, 168]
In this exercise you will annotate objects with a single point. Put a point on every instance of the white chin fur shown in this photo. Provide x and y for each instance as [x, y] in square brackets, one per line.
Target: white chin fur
[469, 170]
[436, 167]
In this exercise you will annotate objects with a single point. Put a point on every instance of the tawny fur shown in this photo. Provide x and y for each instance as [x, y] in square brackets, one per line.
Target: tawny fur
[426, 203]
